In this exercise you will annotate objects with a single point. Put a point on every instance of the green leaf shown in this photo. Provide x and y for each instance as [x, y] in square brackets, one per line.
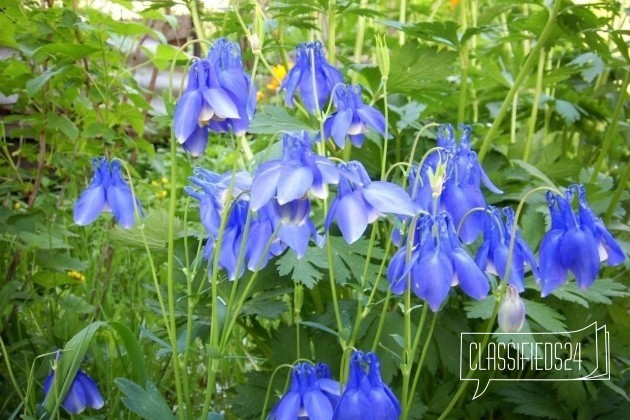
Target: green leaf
[49, 279]
[59, 261]
[70, 51]
[567, 110]
[146, 402]
[62, 123]
[444, 32]
[545, 316]
[35, 85]
[153, 229]
[303, 270]
[274, 119]
[535, 172]
[602, 291]
[7, 34]
[480, 308]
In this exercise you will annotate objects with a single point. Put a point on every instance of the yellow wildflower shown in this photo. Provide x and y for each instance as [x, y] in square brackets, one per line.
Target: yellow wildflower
[278, 73]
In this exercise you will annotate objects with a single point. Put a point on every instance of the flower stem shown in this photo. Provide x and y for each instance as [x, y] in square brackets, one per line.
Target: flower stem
[612, 127]
[385, 137]
[425, 348]
[332, 28]
[520, 79]
[194, 13]
[537, 93]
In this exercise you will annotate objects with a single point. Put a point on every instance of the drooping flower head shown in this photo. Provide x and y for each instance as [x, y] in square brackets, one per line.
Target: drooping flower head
[366, 397]
[352, 118]
[218, 97]
[212, 194]
[108, 191]
[437, 261]
[312, 394]
[453, 177]
[493, 254]
[296, 173]
[576, 242]
[312, 76]
[83, 393]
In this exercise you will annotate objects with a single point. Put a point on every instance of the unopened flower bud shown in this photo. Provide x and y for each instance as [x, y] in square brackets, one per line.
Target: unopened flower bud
[258, 36]
[512, 311]
[382, 57]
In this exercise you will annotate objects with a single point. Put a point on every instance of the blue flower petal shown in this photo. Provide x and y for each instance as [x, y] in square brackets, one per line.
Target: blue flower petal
[317, 406]
[354, 405]
[264, 184]
[578, 253]
[75, 400]
[373, 118]
[552, 272]
[90, 204]
[221, 103]
[296, 237]
[387, 197]
[351, 217]
[120, 198]
[431, 279]
[93, 397]
[288, 407]
[340, 125]
[470, 278]
[186, 115]
[294, 183]
[196, 143]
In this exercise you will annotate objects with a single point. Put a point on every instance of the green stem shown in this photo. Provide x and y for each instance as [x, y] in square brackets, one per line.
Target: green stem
[532, 118]
[402, 18]
[425, 348]
[520, 78]
[360, 39]
[410, 352]
[170, 280]
[464, 63]
[194, 13]
[385, 137]
[618, 193]
[609, 138]
[332, 28]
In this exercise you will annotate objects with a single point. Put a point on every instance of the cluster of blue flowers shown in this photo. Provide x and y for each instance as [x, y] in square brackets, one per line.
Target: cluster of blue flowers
[277, 196]
[219, 97]
[446, 189]
[313, 394]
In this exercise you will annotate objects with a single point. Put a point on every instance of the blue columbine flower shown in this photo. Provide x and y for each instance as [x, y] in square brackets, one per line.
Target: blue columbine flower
[212, 195]
[217, 97]
[576, 243]
[361, 201]
[312, 394]
[312, 76]
[107, 191]
[290, 178]
[437, 262]
[456, 184]
[296, 228]
[83, 393]
[492, 255]
[352, 118]
[366, 397]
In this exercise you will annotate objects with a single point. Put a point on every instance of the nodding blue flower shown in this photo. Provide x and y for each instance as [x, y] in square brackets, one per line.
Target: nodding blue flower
[212, 195]
[108, 191]
[366, 397]
[312, 76]
[296, 228]
[290, 178]
[308, 395]
[493, 253]
[352, 117]
[361, 201]
[83, 393]
[217, 97]
[437, 261]
[453, 177]
[576, 243]
[511, 315]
